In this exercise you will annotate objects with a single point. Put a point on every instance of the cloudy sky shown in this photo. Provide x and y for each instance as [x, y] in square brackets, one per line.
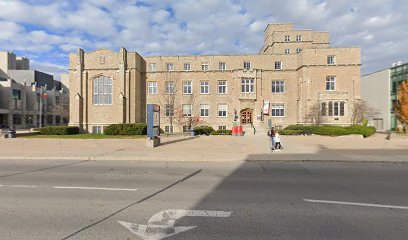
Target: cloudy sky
[46, 31]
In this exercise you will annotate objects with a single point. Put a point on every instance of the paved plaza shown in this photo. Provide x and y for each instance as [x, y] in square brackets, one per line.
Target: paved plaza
[212, 148]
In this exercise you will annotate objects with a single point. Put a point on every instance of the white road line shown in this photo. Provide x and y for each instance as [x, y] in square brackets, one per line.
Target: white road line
[356, 204]
[96, 188]
[21, 186]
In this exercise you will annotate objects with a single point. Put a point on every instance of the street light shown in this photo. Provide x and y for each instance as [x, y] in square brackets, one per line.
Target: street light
[42, 95]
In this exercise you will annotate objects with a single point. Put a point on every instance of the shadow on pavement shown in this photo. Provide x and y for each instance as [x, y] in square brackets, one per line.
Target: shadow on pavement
[266, 200]
[178, 140]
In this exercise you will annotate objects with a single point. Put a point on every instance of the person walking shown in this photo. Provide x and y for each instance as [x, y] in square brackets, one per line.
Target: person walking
[278, 140]
[271, 134]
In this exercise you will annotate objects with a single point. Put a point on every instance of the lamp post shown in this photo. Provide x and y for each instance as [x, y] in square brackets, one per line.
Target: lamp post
[41, 104]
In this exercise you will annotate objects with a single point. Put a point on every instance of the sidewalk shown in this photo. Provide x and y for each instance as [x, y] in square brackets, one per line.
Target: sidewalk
[212, 148]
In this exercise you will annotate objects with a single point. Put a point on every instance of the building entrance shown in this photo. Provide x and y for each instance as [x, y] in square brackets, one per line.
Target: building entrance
[246, 116]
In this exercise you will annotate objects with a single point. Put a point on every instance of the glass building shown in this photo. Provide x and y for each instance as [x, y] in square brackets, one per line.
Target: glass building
[399, 73]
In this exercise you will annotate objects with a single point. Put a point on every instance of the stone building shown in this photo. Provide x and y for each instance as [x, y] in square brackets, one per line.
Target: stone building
[295, 76]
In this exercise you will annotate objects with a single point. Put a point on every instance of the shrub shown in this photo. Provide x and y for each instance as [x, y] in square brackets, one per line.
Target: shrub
[203, 130]
[222, 132]
[59, 130]
[126, 129]
[290, 132]
[363, 130]
[328, 130]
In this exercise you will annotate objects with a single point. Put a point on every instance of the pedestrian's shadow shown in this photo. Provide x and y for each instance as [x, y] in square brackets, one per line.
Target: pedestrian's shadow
[178, 140]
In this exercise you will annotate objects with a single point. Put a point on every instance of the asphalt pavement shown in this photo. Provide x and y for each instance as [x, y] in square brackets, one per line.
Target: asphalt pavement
[66, 199]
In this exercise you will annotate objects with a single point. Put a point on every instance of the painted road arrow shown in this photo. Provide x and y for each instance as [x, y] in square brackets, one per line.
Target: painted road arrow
[161, 224]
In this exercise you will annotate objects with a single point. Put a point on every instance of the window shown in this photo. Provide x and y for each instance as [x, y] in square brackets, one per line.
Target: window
[204, 66]
[323, 109]
[278, 65]
[342, 108]
[186, 128]
[331, 60]
[187, 110]
[278, 86]
[152, 87]
[204, 110]
[287, 38]
[168, 129]
[187, 66]
[222, 127]
[102, 91]
[247, 66]
[298, 50]
[169, 87]
[330, 108]
[152, 67]
[287, 51]
[17, 119]
[169, 66]
[222, 110]
[278, 110]
[222, 66]
[187, 88]
[16, 94]
[298, 38]
[222, 87]
[330, 83]
[336, 109]
[96, 129]
[57, 100]
[169, 110]
[247, 85]
[204, 87]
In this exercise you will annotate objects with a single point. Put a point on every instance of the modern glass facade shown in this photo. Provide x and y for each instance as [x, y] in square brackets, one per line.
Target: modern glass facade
[398, 74]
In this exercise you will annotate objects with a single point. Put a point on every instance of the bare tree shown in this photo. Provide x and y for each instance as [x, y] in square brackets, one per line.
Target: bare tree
[168, 96]
[362, 111]
[191, 119]
[314, 115]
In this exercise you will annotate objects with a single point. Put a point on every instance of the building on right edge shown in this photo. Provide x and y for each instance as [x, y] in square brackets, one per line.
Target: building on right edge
[380, 90]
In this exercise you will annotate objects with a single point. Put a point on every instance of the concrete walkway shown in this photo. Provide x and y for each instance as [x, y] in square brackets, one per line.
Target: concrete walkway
[212, 148]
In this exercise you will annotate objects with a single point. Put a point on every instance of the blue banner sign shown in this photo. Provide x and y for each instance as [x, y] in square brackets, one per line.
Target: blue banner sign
[153, 121]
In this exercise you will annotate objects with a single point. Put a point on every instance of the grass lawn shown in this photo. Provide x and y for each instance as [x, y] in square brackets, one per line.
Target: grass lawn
[86, 136]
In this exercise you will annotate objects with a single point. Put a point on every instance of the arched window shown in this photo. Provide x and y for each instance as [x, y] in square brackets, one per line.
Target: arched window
[102, 91]
[342, 108]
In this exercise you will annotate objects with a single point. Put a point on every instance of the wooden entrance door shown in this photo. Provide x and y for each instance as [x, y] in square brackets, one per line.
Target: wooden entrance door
[246, 116]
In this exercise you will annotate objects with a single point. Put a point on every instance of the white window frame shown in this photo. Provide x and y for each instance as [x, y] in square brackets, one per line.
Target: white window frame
[222, 127]
[287, 38]
[278, 86]
[298, 50]
[187, 85]
[153, 67]
[97, 129]
[331, 60]
[204, 87]
[222, 66]
[247, 66]
[247, 85]
[331, 83]
[204, 66]
[204, 110]
[168, 129]
[277, 108]
[169, 110]
[152, 88]
[187, 67]
[222, 108]
[222, 84]
[186, 128]
[287, 50]
[170, 87]
[278, 65]
[169, 67]
[102, 91]
[187, 110]
[298, 38]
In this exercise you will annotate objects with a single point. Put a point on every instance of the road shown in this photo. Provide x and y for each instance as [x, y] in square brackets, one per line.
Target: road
[43, 199]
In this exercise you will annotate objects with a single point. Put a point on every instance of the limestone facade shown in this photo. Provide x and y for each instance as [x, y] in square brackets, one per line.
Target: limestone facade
[294, 70]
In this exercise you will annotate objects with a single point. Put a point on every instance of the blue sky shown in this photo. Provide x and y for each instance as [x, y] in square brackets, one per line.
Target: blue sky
[46, 31]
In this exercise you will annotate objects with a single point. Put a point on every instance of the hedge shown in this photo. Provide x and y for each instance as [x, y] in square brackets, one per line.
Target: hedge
[203, 130]
[126, 129]
[290, 132]
[329, 130]
[222, 132]
[59, 130]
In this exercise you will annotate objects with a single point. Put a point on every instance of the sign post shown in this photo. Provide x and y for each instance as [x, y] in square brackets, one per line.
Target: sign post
[153, 125]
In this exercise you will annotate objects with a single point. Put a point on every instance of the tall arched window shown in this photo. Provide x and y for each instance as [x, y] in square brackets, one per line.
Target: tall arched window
[102, 91]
